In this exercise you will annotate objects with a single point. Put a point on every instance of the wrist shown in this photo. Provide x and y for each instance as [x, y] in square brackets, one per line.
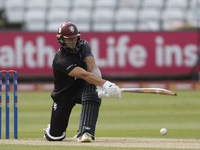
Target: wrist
[106, 84]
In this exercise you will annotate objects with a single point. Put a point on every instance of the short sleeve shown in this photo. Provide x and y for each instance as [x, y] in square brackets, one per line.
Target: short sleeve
[65, 66]
[87, 50]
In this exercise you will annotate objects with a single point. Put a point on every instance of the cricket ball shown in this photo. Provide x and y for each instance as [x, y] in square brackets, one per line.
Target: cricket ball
[163, 131]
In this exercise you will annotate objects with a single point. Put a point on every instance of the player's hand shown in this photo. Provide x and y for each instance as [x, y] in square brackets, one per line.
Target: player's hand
[109, 90]
[101, 92]
[112, 90]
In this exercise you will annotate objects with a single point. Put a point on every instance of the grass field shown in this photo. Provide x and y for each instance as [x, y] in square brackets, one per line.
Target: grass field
[133, 116]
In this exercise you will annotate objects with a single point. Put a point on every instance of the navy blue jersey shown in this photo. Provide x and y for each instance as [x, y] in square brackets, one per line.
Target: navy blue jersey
[63, 63]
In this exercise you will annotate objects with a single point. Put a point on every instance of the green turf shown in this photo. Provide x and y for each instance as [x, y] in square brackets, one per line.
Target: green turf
[135, 115]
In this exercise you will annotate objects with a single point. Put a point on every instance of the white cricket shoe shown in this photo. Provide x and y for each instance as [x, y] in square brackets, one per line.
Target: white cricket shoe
[49, 137]
[86, 137]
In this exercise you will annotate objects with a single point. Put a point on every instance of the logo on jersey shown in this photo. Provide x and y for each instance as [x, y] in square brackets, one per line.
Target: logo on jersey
[55, 106]
[71, 29]
[72, 65]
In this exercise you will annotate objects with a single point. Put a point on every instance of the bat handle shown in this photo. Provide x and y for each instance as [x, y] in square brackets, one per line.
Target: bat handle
[122, 90]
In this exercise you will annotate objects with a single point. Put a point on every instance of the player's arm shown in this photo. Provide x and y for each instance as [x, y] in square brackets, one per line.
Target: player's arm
[91, 64]
[109, 89]
[87, 76]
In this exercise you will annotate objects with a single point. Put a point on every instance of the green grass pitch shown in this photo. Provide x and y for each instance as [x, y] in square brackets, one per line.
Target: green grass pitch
[135, 115]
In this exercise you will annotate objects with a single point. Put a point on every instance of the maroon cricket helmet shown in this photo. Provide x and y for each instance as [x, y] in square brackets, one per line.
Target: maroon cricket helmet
[68, 30]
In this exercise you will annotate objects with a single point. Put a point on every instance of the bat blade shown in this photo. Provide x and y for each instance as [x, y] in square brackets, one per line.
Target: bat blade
[149, 90]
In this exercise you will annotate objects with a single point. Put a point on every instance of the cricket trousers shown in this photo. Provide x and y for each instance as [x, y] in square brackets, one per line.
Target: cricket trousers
[62, 107]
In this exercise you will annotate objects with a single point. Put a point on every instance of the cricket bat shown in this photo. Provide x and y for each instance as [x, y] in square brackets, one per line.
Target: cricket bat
[149, 90]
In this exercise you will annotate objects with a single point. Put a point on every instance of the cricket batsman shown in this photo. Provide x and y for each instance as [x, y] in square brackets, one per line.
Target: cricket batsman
[76, 78]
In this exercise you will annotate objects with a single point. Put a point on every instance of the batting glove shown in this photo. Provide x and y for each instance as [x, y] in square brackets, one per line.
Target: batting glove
[109, 90]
